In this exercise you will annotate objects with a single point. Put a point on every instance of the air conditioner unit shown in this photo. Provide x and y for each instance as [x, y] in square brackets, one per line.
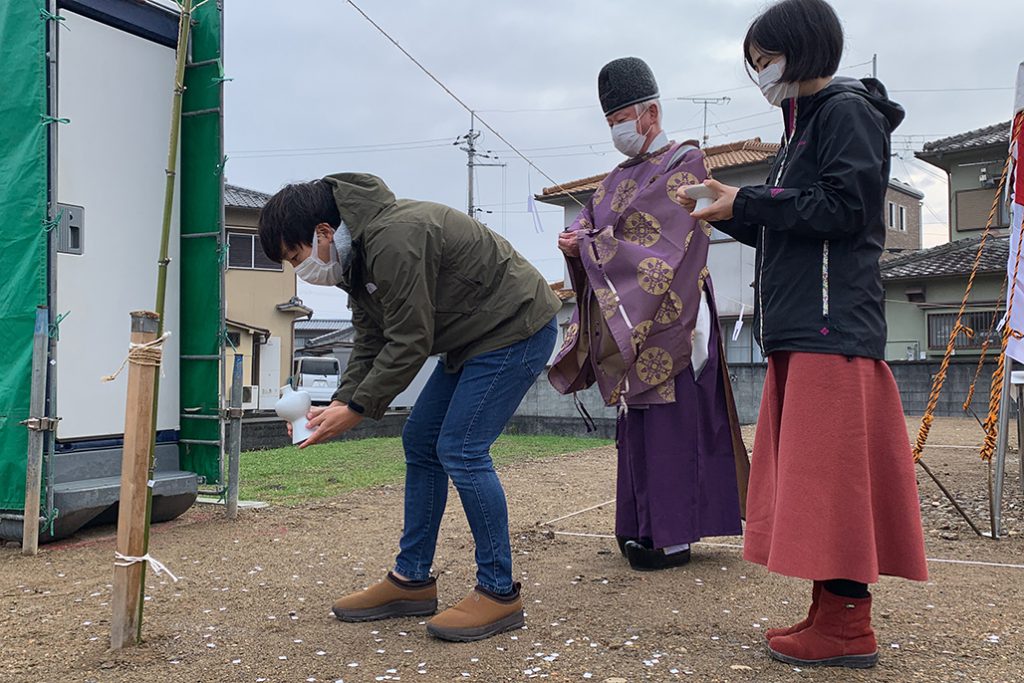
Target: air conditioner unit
[250, 397]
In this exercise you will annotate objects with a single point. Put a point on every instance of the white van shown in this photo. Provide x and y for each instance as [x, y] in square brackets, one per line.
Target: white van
[319, 376]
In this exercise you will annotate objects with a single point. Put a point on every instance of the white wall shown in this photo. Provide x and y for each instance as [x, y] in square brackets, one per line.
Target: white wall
[116, 89]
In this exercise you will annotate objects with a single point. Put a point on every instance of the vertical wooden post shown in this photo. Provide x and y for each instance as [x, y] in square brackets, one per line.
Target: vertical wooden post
[36, 433]
[131, 519]
[235, 438]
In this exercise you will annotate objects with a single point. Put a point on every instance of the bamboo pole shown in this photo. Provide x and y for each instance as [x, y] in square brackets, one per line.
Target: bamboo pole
[36, 433]
[142, 517]
[132, 526]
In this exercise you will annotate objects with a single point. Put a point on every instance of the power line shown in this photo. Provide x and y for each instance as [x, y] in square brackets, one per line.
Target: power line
[336, 152]
[345, 148]
[457, 99]
[947, 89]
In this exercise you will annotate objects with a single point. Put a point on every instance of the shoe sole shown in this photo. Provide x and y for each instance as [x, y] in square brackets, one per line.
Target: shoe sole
[468, 635]
[637, 564]
[399, 608]
[847, 661]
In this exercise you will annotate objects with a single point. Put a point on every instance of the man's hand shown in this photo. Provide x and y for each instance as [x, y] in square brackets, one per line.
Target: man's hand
[720, 210]
[569, 243]
[335, 419]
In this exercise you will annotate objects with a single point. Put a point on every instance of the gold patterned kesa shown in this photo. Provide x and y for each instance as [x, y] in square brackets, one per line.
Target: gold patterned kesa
[608, 301]
[667, 390]
[570, 335]
[586, 224]
[642, 229]
[640, 332]
[654, 276]
[624, 195]
[689, 238]
[654, 366]
[614, 397]
[677, 180]
[605, 246]
[599, 194]
[701, 278]
[706, 227]
[670, 309]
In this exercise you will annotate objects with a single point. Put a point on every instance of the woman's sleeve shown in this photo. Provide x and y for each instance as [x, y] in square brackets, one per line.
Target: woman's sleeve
[850, 187]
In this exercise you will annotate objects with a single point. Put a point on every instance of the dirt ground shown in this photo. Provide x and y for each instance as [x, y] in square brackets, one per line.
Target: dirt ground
[254, 596]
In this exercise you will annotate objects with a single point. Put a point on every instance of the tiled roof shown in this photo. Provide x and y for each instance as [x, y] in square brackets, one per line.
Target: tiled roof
[997, 134]
[952, 259]
[243, 198]
[561, 292]
[321, 324]
[731, 155]
[344, 335]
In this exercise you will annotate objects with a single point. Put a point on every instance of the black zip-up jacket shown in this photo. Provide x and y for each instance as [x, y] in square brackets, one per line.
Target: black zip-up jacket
[819, 225]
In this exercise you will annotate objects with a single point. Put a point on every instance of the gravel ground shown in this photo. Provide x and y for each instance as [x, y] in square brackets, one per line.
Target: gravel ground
[254, 596]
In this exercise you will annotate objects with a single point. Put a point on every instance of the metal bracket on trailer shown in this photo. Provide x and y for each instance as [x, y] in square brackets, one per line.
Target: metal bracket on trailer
[41, 424]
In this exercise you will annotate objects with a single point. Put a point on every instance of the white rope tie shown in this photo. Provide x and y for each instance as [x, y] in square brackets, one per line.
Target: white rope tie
[149, 354]
[158, 567]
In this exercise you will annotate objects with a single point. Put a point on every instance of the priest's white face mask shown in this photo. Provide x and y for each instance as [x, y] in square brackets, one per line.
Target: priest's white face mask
[329, 257]
[629, 133]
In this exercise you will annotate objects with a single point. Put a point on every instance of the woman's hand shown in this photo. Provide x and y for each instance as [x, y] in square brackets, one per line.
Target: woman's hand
[720, 210]
[569, 243]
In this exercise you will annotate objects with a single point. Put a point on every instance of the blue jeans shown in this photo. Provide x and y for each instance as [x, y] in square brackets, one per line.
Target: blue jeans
[449, 434]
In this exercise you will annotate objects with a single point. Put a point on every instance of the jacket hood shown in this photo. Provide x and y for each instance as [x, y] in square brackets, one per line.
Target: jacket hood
[360, 198]
[871, 89]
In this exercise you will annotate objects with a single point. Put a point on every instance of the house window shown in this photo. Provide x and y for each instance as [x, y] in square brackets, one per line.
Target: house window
[246, 253]
[892, 215]
[973, 208]
[234, 339]
[940, 325]
[903, 218]
[744, 349]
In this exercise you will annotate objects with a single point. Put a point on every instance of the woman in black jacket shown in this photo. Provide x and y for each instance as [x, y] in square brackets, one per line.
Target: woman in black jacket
[832, 496]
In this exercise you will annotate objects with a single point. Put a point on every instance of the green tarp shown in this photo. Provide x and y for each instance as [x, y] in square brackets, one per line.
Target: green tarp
[202, 211]
[23, 174]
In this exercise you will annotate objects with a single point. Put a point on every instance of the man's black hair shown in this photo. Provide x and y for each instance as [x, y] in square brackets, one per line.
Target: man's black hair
[807, 32]
[289, 218]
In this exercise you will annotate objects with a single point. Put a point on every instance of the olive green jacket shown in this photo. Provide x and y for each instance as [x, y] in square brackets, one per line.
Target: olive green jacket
[426, 279]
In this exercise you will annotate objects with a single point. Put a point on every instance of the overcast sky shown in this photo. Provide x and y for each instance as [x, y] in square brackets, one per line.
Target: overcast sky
[316, 89]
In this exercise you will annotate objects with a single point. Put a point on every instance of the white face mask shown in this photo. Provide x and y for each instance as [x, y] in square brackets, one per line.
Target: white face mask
[329, 273]
[626, 138]
[773, 89]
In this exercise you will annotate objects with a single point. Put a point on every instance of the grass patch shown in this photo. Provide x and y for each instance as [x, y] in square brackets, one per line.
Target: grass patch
[292, 476]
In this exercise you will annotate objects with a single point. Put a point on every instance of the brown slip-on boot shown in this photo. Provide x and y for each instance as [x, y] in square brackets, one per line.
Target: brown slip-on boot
[389, 598]
[800, 625]
[479, 615]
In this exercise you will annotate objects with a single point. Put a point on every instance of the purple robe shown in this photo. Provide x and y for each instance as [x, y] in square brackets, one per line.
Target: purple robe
[638, 282]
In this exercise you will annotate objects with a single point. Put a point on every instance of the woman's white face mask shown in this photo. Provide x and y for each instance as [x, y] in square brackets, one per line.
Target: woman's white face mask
[331, 272]
[774, 89]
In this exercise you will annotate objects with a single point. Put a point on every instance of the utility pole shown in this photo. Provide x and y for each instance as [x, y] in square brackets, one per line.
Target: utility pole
[874, 65]
[468, 142]
[706, 101]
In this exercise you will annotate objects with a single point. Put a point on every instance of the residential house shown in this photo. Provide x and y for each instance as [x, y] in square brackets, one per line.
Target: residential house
[973, 162]
[747, 162]
[923, 290]
[260, 300]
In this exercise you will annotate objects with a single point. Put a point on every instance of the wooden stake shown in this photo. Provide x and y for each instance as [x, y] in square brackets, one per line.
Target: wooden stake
[36, 434]
[131, 519]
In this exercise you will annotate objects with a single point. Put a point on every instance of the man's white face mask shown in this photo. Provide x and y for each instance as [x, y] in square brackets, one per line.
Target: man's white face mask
[625, 136]
[774, 89]
[328, 273]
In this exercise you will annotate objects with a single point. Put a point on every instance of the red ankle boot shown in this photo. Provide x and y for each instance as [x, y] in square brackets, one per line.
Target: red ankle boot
[800, 626]
[840, 635]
